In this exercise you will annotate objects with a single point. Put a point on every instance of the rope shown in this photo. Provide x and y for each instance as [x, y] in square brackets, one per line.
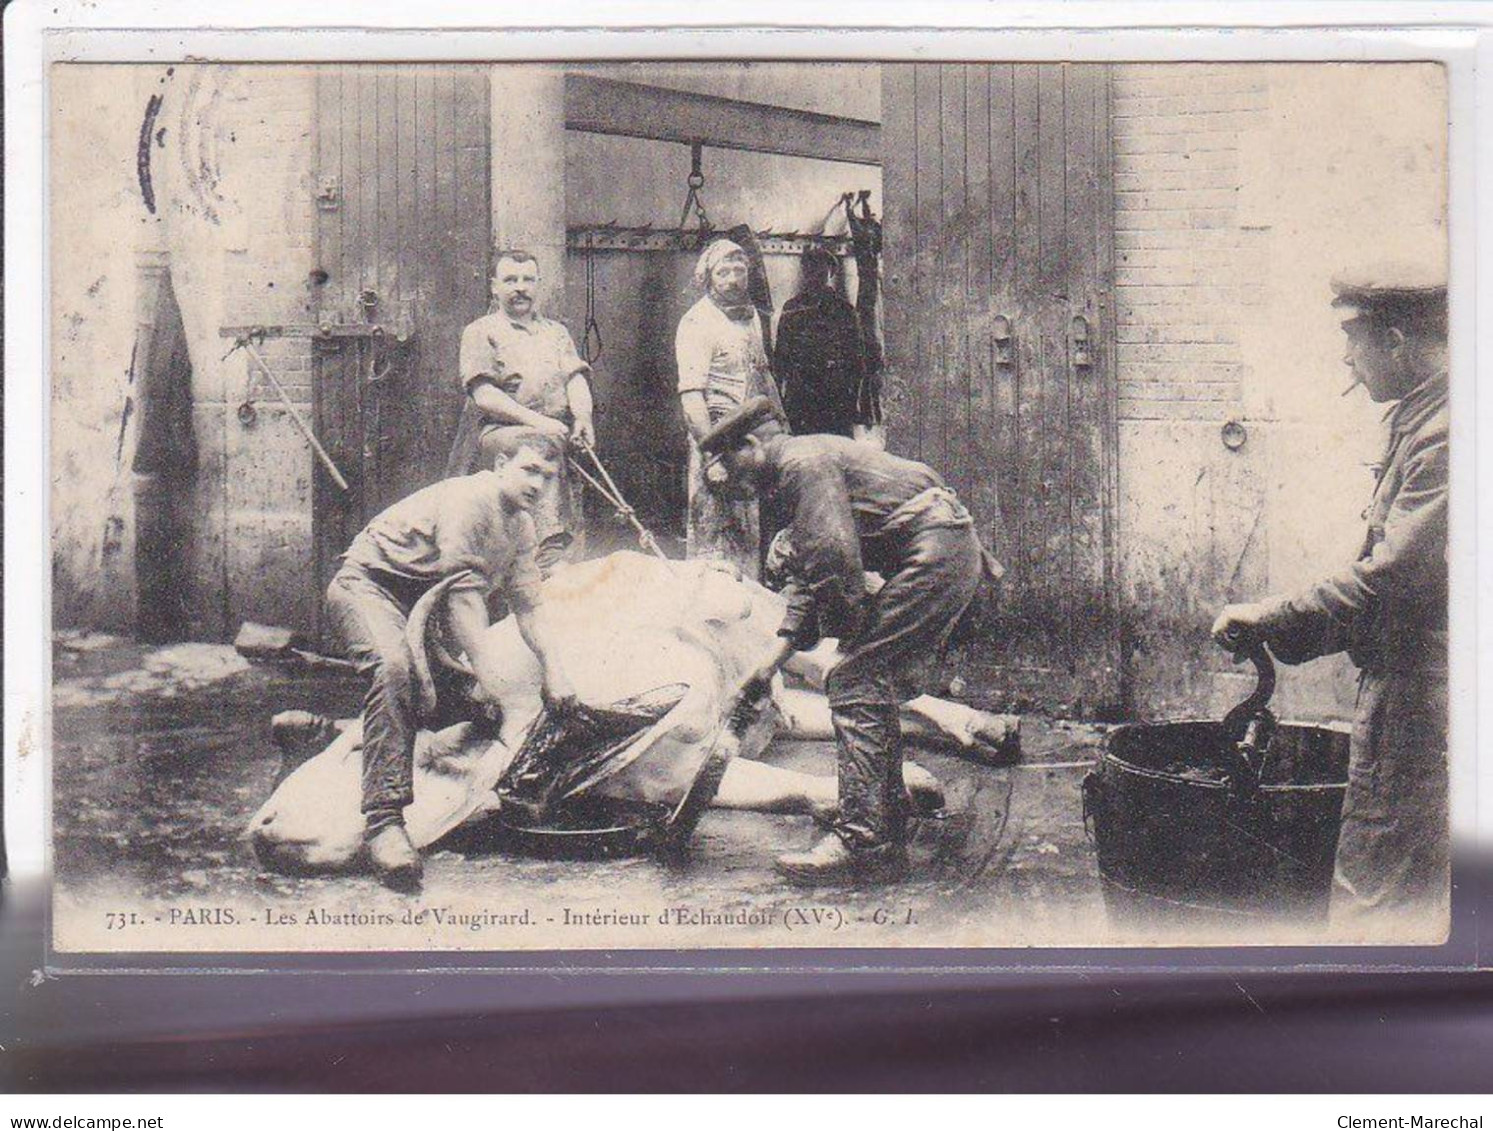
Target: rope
[590, 353]
[613, 495]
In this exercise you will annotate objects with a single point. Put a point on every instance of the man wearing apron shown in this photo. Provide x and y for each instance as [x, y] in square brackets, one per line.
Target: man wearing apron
[525, 383]
[849, 508]
[722, 362]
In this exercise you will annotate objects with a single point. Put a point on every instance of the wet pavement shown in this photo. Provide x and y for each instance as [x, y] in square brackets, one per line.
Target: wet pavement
[160, 757]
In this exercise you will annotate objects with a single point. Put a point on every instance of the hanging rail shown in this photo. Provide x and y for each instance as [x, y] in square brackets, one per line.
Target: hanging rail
[615, 237]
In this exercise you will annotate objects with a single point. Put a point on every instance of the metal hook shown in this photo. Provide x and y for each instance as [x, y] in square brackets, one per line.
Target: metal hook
[696, 182]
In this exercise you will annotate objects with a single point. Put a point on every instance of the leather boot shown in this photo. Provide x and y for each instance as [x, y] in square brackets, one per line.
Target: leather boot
[395, 861]
[925, 798]
[834, 861]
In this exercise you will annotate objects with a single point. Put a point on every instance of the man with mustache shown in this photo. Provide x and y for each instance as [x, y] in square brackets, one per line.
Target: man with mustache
[722, 363]
[477, 530]
[525, 382]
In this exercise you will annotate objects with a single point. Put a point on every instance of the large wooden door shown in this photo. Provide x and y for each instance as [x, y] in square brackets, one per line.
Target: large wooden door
[403, 244]
[999, 322]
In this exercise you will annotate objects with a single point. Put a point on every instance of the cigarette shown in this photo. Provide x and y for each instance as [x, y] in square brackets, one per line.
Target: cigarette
[1350, 388]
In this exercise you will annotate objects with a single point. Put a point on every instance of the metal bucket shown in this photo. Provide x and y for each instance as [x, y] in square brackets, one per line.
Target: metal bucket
[1186, 830]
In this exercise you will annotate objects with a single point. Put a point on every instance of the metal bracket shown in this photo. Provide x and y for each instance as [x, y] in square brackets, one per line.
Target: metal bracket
[1000, 334]
[1083, 358]
[247, 414]
[326, 332]
[613, 237]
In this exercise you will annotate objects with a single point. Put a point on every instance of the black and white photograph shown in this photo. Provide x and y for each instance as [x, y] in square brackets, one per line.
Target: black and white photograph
[543, 506]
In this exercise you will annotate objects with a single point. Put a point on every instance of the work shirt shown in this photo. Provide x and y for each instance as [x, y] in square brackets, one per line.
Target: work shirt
[722, 356]
[848, 507]
[1389, 607]
[532, 361]
[453, 526]
[820, 365]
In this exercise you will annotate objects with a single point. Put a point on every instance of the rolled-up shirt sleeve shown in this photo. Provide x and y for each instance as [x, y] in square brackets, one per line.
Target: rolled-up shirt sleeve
[1399, 558]
[571, 363]
[479, 360]
[693, 352]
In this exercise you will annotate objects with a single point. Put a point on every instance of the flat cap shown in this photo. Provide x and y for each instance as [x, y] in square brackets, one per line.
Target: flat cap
[737, 424]
[1390, 284]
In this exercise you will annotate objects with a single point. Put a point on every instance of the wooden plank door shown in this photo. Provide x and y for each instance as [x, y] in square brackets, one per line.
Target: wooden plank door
[403, 240]
[999, 323]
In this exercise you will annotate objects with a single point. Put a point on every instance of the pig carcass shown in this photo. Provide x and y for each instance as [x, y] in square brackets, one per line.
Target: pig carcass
[625, 625]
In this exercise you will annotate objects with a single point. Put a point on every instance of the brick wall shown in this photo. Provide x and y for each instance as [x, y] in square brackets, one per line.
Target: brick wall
[1189, 270]
[230, 219]
[1240, 190]
[268, 151]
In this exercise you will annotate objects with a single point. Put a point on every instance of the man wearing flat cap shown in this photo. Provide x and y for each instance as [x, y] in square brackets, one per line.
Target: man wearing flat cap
[849, 508]
[1387, 609]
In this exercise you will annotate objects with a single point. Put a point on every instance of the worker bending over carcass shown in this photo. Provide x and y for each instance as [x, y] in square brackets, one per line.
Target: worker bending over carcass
[849, 507]
[988, 738]
[477, 531]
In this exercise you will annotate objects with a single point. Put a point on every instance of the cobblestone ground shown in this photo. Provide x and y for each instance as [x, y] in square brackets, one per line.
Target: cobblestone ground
[160, 756]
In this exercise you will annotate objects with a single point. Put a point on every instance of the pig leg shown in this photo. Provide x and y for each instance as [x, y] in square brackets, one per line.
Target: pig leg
[761, 788]
[806, 716]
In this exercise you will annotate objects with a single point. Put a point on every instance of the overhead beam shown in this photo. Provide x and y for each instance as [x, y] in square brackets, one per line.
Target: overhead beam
[629, 109]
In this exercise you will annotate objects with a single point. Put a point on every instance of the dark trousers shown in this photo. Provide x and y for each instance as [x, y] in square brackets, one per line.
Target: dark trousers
[369, 613]
[1393, 851]
[929, 587]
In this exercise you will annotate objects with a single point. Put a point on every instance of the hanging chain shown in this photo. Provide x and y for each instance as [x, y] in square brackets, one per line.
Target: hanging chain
[693, 198]
[591, 345]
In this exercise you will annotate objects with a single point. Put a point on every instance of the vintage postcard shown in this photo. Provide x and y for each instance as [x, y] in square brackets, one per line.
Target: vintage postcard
[511, 506]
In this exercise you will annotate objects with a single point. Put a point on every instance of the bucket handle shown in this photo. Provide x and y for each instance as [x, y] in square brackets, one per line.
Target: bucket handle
[1237, 719]
[1250, 726]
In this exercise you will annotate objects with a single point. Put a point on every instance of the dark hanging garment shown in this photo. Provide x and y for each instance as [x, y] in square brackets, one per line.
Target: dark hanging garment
[865, 235]
[164, 464]
[820, 365]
